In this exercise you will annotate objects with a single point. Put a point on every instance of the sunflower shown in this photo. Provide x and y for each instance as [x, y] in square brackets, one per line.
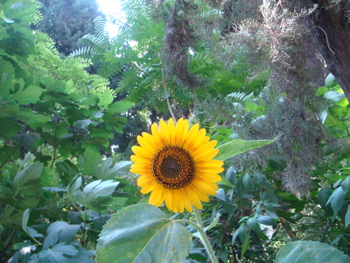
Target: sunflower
[176, 165]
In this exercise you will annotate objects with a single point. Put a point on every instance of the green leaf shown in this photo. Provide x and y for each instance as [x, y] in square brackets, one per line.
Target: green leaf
[247, 182]
[9, 127]
[73, 186]
[334, 96]
[27, 139]
[57, 254]
[214, 223]
[27, 115]
[226, 182]
[30, 231]
[263, 182]
[245, 244]
[93, 190]
[336, 199]
[120, 106]
[106, 98]
[25, 218]
[347, 217]
[109, 171]
[330, 80]
[60, 231]
[220, 194]
[31, 94]
[235, 147]
[321, 90]
[253, 224]
[241, 232]
[346, 187]
[310, 251]
[22, 12]
[90, 160]
[9, 216]
[266, 220]
[143, 233]
[27, 180]
[231, 175]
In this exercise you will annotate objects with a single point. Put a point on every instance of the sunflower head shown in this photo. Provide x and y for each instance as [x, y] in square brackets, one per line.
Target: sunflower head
[176, 165]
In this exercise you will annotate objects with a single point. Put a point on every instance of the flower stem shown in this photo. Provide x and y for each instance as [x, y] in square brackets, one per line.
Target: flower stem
[204, 237]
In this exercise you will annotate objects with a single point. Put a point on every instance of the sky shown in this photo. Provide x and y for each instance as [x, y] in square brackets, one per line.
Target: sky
[111, 8]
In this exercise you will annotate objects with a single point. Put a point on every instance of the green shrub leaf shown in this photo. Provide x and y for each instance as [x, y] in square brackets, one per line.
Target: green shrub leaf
[236, 147]
[27, 180]
[28, 95]
[310, 251]
[143, 233]
[337, 199]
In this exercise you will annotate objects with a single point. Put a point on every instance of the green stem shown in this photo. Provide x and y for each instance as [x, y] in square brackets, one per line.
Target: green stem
[204, 237]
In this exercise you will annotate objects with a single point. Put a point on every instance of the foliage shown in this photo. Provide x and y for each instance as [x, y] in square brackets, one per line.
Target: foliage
[65, 194]
[67, 21]
[56, 121]
[307, 251]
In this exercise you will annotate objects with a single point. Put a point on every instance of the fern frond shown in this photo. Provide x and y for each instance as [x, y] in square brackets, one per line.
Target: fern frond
[237, 97]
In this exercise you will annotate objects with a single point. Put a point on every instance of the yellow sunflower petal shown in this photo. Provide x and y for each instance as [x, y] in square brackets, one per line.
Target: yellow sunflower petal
[204, 187]
[209, 177]
[141, 152]
[145, 144]
[157, 197]
[141, 170]
[201, 195]
[179, 200]
[181, 132]
[186, 200]
[145, 180]
[157, 136]
[170, 201]
[151, 144]
[193, 135]
[200, 141]
[210, 163]
[164, 130]
[139, 160]
[205, 155]
[171, 129]
[148, 187]
[192, 194]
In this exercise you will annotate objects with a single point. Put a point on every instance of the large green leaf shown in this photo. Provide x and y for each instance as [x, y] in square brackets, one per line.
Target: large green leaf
[28, 95]
[58, 253]
[27, 180]
[337, 199]
[347, 217]
[91, 192]
[60, 231]
[143, 233]
[30, 231]
[110, 171]
[236, 147]
[106, 98]
[346, 186]
[323, 197]
[310, 251]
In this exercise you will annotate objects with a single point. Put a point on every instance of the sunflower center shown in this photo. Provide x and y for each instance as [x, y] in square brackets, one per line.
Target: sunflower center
[173, 167]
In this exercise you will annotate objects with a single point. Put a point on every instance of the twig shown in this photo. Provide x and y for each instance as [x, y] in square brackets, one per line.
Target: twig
[326, 39]
[7, 245]
[167, 98]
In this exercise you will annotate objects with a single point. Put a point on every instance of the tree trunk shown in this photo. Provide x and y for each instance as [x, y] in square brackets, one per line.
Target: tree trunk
[332, 23]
